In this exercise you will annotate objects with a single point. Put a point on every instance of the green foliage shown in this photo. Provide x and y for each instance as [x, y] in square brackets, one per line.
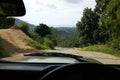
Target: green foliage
[102, 25]
[115, 43]
[24, 27]
[54, 35]
[43, 42]
[68, 41]
[102, 34]
[37, 38]
[87, 27]
[43, 30]
[100, 6]
[3, 52]
[65, 37]
[40, 42]
[6, 22]
[110, 19]
[102, 48]
[34, 44]
[48, 43]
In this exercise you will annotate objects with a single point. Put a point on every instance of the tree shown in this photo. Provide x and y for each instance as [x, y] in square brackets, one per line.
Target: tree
[110, 19]
[87, 26]
[100, 6]
[43, 30]
[101, 33]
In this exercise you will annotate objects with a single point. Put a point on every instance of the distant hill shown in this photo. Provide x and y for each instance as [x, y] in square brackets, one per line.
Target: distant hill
[67, 30]
[18, 21]
[63, 30]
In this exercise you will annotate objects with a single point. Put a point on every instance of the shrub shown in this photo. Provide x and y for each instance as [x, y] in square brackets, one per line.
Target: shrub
[48, 43]
[34, 44]
[39, 42]
[115, 43]
[37, 38]
[3, 52]
[24, 27]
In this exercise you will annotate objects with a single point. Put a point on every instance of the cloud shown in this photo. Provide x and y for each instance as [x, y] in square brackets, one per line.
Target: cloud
[46, 3]
[74, 1]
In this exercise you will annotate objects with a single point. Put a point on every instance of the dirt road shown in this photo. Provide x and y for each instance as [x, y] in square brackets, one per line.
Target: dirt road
[101, 57]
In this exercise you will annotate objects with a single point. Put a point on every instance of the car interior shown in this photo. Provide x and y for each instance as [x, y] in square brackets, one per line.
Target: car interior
[81, 69]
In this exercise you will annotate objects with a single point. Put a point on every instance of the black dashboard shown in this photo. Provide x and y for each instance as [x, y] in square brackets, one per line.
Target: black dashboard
[25, 71]
[31, 71]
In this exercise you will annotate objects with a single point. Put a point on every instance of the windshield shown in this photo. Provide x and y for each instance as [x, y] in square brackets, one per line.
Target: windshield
[87, 28]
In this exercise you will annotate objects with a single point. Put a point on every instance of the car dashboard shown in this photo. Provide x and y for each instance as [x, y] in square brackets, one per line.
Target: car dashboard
[31, 71]
[26, 71]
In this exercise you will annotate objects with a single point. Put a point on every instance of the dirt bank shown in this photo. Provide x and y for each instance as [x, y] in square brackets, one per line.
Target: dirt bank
[14, 40]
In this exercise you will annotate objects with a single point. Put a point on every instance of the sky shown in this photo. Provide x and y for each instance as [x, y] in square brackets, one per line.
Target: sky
[55, 13]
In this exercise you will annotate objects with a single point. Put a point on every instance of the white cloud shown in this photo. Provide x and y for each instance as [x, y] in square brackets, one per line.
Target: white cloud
[55, 12]
[74, 1]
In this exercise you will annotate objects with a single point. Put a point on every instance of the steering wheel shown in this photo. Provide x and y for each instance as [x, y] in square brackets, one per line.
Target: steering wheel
[82, 71]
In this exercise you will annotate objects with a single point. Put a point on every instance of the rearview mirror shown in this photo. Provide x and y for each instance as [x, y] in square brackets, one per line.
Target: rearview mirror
[12, 8]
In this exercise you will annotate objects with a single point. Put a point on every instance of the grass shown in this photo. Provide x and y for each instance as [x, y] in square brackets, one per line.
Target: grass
[39, 42]
[103, 49]
[35, 44]
[48, 43]
[4, 53]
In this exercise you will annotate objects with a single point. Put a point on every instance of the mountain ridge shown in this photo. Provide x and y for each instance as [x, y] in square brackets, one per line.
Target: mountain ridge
[31, 26]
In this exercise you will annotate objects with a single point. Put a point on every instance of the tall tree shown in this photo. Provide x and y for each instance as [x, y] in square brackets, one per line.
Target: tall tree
[87, 26]
[101, 34]
[110, 19]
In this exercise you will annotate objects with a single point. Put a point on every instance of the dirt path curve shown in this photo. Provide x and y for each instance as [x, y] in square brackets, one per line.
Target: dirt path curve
[101, 57]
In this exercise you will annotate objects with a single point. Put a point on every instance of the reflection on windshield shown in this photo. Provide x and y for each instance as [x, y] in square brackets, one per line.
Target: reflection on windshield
[48, 60]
